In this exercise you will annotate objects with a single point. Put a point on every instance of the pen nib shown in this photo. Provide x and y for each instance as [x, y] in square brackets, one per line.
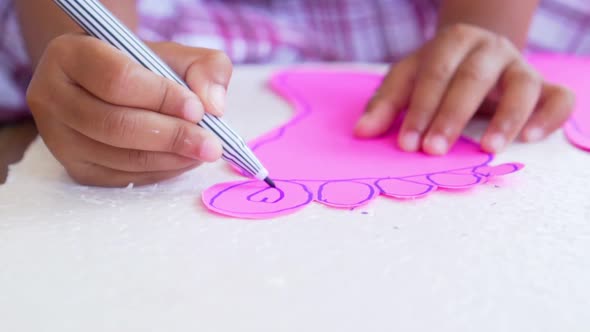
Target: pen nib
[270, 182]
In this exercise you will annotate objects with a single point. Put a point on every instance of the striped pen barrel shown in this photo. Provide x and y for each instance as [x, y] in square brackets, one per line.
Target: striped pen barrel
[99, 22]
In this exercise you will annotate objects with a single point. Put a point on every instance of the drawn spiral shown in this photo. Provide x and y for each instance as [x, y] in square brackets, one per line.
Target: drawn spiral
[255, 198]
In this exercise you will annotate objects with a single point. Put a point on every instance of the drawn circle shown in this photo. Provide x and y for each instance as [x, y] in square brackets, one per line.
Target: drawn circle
[346, 194]
[254, 199]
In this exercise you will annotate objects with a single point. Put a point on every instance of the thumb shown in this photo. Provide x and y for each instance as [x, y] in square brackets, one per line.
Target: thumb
[207, 72]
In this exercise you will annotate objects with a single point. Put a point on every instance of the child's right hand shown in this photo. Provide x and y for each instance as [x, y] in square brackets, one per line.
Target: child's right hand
[112, 122]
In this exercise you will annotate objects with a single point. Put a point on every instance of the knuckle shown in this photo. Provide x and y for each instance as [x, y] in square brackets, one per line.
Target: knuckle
[42, 96]
[140, 158]
[117, 80]
[119, 125]
[499, 42]
[440, 71]
[472, 72]
[165, 87]
[178, 139]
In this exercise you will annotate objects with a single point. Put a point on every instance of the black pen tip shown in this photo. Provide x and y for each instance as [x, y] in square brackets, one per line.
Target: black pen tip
[270, 182]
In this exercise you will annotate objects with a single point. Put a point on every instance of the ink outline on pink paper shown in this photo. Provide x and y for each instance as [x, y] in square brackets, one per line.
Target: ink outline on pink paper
[576, 135]
[218, 198]
[567, 70]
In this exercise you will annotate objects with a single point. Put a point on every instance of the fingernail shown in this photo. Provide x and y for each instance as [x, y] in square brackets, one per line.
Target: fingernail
[436, 145]
[534, 134]
[217, 97]
[210, 149]
[410, 141]
[496, 142]
[193, 110]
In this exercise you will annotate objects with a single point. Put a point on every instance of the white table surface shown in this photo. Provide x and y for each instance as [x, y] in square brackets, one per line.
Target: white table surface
[509, 256]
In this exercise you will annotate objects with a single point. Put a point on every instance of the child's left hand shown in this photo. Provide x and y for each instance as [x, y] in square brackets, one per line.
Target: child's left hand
[444, 83]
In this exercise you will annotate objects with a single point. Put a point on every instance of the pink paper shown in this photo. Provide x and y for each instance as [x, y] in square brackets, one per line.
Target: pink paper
[573, 72]
[315, 157]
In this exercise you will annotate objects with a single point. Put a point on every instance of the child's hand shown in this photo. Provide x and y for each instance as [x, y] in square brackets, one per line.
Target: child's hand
[112, 122]
[445, 82]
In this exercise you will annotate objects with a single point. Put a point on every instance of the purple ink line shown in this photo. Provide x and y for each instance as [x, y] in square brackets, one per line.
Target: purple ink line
[477, 177]
[265, 199]
[515, 168]
[404, 178]
[429, 187]
[280, 84]
[321, 197]
[576, 126]
[310, 196]
[214, 198]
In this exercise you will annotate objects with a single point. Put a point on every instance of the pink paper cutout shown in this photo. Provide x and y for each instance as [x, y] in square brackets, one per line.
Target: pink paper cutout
[315, 156]
[573, 72]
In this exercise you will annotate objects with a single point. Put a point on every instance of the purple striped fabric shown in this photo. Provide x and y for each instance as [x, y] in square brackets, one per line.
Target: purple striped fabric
[287, 31]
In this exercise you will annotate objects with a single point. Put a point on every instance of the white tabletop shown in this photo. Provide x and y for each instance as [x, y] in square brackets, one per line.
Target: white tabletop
[509, 256]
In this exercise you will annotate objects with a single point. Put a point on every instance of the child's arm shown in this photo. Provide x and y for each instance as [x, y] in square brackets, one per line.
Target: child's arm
[42, 20]
[473, 61]
[106, 118]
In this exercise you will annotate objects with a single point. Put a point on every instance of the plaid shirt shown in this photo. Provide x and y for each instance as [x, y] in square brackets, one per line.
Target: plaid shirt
[287, 31]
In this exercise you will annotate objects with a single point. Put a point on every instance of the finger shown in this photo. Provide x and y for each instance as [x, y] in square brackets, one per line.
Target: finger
[136, 129]
[114, 77]
[555, 107]
[441, 59]
[473, 81]
[93, 152]
[96, 175]
[388, 101]
[206, 71]
[128, 160]
[521, 87]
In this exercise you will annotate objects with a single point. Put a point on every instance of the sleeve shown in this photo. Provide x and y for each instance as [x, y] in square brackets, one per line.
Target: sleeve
[15, 69]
